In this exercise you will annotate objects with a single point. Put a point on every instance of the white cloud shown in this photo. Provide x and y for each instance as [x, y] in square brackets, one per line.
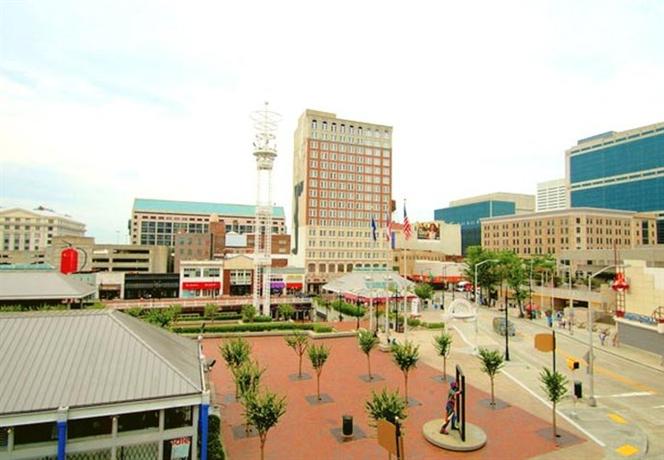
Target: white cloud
[154, 101]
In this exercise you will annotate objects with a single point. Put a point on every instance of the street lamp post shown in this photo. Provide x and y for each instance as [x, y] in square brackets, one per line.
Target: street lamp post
[530, 287]
[591, 359]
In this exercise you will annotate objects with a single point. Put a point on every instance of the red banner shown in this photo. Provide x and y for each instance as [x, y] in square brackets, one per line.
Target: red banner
[201, 285]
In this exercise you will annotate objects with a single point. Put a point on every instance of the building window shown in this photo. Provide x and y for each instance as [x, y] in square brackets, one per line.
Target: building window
[38, 432]
[81, 428]
[138, 421]
[177, 417]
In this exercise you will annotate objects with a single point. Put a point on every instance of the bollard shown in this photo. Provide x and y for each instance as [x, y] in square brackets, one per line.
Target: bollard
[578, 389]
[347, 426]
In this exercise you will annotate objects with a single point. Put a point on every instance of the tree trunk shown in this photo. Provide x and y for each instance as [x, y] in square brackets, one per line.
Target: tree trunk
[357, 324]
[262, 447]
[445, 367]
[554, 422]
[405, 377]
[369, 365]
[493, 400]
[299, 369]
[318, 385]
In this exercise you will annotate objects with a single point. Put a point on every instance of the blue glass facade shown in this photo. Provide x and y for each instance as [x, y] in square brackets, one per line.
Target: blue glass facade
[637, 155]
[645, 193]
[469, 215]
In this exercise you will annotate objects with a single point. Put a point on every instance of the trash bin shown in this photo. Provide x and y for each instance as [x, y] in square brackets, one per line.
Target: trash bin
[347, 426]
[578, 389]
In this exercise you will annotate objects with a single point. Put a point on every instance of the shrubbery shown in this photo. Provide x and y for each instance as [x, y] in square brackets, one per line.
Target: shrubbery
[262, 319]
[414, 322]
[247, 327]
[433, 325]
[322, 328]
[348, 309]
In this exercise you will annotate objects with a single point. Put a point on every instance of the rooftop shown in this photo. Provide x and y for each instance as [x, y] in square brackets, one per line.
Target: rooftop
[568, 211]
[41, 284]
[82, 358]
[196, 207]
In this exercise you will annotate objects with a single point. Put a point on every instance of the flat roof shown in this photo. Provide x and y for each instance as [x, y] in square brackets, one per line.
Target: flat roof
[41, 284]
[82, 358]
[570, 211]
[197, 207]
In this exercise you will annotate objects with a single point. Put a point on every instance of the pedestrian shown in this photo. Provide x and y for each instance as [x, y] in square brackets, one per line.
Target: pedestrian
[450, 408]
[615, 340]
[603, 334]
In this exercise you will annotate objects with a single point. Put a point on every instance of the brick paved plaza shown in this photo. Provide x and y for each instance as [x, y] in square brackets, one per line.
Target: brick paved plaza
[311, 431]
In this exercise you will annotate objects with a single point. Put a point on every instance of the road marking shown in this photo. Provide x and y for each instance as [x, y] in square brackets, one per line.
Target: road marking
[617, 418]
[614, 376]
[627, 450]
[659, 407]
[463, 337]
[548, 404]
[628, 395]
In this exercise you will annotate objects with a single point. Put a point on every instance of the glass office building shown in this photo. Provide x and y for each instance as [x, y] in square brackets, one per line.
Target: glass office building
[469, 215]
[620, 170]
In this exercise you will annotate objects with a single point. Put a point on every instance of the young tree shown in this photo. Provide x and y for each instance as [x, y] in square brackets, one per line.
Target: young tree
[487, 274]
[424, 291]
[286, 310]
[318, 354]
[386, 405]
[210, 311]
[263, 410]
[555, 386]
[247, 381]
[248, 313]
[492, 362]
[299, 343]
[405, 356]
[443, 345]
[235, 352]
[367, 341]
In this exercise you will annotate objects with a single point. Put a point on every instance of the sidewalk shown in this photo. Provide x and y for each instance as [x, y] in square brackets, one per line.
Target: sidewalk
[632, 354]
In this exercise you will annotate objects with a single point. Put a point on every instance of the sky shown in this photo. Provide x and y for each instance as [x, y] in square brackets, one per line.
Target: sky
[105, 101]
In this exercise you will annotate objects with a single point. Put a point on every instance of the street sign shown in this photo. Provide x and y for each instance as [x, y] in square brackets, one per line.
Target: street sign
[544, 342]
[387, 438]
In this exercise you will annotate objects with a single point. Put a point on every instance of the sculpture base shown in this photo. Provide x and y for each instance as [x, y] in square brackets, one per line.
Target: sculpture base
[475, 437]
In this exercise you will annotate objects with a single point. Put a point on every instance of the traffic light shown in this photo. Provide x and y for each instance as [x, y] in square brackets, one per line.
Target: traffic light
[572, 363]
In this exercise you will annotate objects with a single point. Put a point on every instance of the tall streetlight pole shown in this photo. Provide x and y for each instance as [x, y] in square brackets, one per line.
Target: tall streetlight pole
[530, 287]
[591, 360]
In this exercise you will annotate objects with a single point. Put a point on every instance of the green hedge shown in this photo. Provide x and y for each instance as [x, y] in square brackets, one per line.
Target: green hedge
[433, 325]
[262, 319]
[348, 309]
[414, 322]
[322, 328]
[247, 327]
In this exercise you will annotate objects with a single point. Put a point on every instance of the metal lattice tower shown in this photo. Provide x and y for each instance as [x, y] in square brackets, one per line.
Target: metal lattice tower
[265, 150]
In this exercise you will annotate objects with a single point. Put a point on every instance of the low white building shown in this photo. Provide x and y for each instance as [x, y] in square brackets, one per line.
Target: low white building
[201, 278]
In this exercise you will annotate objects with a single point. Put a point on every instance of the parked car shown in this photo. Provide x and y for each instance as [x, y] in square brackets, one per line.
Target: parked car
[499, 326]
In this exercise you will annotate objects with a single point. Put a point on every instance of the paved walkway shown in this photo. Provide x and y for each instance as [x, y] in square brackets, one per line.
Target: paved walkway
[308, 431]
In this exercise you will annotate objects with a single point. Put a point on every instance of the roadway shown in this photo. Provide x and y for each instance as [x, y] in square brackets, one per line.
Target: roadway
[629, 417]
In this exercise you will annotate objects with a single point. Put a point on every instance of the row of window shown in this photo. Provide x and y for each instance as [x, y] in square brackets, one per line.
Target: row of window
[338, 233]
[340, 267]
[197, 272]
[98, 426]
[348, 159]
[338, 223]
[348, 205]
[376, 197]
[343, 186]
[364, 169]
[350, 129]
[333, 185]
[341, 244]
[346, 255]
[347, 152]
[341, 214]
[350, 139]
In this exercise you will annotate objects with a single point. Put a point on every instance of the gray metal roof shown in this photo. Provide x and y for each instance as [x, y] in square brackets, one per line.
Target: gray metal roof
[38, 284]
[82, 358]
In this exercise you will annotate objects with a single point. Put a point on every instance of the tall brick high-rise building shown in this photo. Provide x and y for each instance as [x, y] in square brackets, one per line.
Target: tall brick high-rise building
[342, 178]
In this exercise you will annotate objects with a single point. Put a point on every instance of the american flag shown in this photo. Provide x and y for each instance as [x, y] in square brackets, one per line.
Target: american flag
[407, 228]
[388, 227]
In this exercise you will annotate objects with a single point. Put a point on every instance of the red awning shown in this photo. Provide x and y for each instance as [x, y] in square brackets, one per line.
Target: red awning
[192, 286]
[293, 285]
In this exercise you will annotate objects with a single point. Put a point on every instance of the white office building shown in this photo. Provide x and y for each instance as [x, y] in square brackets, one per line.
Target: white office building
[552, 195]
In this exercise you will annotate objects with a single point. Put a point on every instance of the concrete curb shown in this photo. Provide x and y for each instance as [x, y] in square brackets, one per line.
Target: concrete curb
[313, 335]
[597, 348]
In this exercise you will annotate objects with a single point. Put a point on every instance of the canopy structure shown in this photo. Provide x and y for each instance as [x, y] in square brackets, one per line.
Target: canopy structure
[376, 286]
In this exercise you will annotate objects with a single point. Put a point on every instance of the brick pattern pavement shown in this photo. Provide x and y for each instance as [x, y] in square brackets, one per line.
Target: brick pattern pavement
[307, 431]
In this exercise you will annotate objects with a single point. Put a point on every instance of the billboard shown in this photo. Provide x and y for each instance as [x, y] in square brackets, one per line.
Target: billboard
[428, 231]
